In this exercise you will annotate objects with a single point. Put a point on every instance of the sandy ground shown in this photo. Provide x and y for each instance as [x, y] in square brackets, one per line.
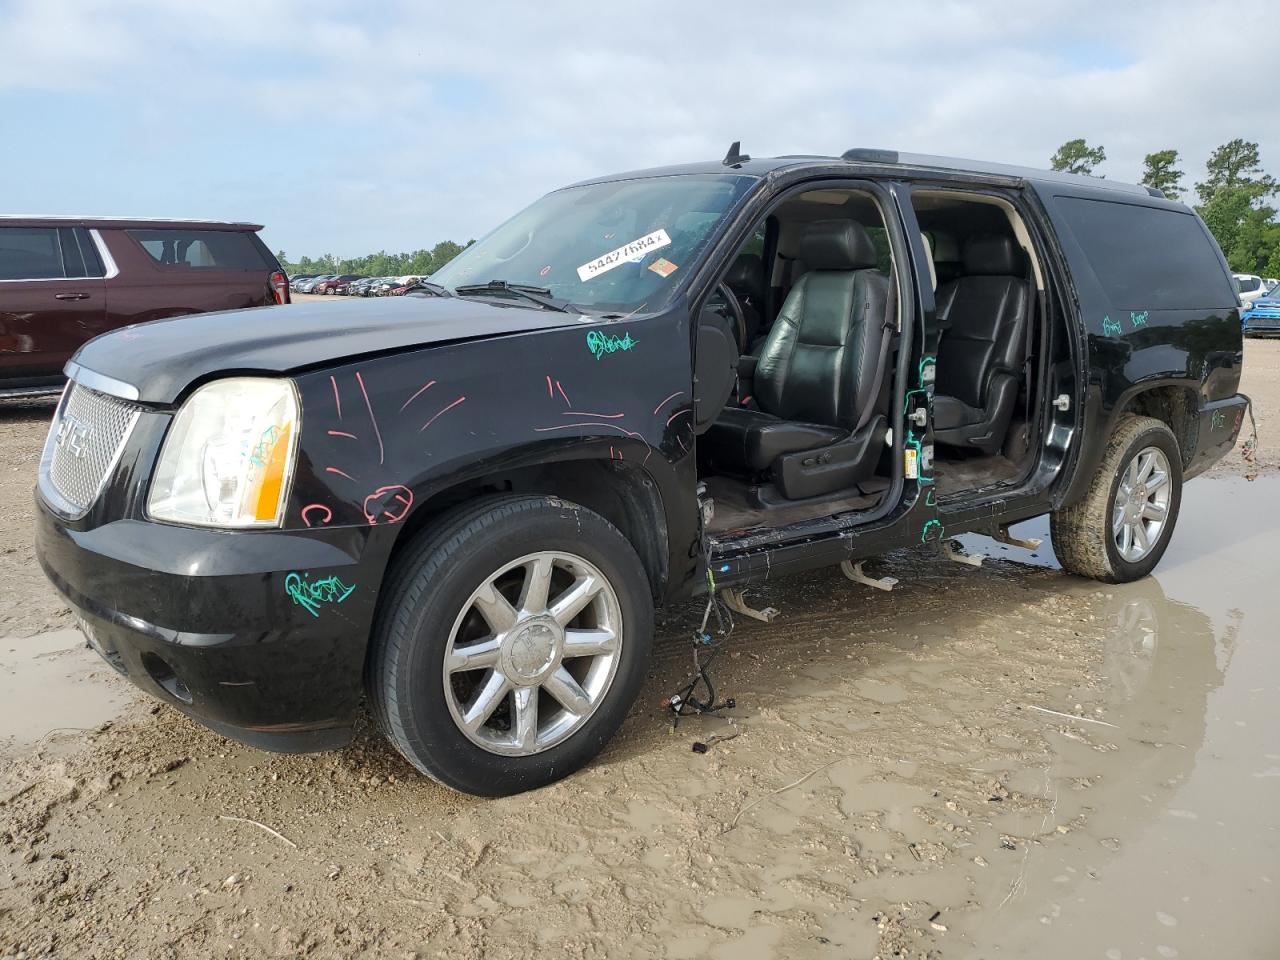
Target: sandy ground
[993, 762]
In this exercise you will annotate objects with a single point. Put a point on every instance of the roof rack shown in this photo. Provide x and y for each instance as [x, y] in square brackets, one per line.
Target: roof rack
[874, 155]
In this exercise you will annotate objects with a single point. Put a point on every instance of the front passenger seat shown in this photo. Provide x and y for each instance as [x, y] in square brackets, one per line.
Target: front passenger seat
[984, 317]
[817, 380]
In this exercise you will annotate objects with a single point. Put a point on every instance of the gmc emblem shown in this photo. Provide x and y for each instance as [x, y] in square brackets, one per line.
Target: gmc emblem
[73, 437]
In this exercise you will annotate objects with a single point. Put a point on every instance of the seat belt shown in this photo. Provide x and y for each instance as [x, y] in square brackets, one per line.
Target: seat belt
[887, 327]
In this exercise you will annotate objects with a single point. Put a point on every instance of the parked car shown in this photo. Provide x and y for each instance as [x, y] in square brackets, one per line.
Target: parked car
[309, 286]
[64, 280]
[344, 287]
[298, 279]
[330, 286]
[1251, 287]
[1261, 318]
[464, 504]
[362, 288]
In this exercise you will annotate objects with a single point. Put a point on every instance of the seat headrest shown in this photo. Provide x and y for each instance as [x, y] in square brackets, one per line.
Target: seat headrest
[992, 255]
[746, 275]
[928, 254]
[837, 245]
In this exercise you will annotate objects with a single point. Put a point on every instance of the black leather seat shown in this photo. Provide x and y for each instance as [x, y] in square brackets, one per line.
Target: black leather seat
[816, 381]
[984, 317]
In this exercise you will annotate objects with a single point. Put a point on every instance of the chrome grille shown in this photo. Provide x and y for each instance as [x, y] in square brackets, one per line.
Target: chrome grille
[85, 441]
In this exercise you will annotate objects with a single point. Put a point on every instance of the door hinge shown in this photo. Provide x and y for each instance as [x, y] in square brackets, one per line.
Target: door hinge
[1062, 402]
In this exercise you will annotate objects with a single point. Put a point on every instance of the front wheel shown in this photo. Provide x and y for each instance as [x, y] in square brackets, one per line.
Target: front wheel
[513, 639]
[1119, 530]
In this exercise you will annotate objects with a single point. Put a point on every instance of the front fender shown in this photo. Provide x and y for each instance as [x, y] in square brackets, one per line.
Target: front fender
[381, 435]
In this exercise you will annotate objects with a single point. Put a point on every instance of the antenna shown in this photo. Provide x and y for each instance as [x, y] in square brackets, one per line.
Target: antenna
[735, 157]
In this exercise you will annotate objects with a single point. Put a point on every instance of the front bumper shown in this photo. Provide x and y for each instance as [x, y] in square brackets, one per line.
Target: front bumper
[1260, 323]
[226, 626]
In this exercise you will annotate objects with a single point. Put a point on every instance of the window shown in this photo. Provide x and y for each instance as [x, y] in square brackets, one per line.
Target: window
[201, 249]
[618, 245]
[30, 253]
[1147, 258]
[1248, 284]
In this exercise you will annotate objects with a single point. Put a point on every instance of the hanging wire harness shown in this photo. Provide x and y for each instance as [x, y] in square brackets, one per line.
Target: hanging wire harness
[686, 701]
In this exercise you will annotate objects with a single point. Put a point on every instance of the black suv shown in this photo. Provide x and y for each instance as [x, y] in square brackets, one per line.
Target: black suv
[464, 504]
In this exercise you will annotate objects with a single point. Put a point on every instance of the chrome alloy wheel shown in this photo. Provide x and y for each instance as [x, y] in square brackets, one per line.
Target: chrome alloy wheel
[532, 653]
[1141, 507]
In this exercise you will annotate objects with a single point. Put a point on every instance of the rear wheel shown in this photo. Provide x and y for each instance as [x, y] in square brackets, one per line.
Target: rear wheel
[513, 639]
[1119, 530]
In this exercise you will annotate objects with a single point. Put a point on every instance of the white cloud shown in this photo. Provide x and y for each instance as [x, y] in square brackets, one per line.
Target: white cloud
[476, 109]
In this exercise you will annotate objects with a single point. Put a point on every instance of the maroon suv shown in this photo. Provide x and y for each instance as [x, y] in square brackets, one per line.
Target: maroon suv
[64, 280]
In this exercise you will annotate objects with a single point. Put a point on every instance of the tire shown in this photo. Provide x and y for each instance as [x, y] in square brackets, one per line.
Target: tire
[434, 595]
[1087, 535]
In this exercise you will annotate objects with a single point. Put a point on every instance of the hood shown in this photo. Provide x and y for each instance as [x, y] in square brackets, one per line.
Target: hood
[161, 358]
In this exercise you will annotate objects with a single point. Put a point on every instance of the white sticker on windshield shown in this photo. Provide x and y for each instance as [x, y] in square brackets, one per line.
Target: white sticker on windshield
[632, 251]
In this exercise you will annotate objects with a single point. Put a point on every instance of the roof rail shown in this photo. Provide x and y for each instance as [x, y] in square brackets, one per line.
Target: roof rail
[870, 155]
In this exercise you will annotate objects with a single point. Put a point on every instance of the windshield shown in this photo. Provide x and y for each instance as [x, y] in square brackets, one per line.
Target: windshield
[618, 246]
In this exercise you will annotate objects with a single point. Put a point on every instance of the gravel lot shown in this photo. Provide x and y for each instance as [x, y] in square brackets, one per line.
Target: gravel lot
[1005, 761]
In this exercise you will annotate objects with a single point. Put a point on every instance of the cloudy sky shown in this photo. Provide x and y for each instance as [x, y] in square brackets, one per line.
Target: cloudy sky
[348, 127]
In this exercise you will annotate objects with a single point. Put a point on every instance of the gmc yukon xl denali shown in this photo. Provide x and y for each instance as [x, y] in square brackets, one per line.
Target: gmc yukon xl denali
[463, 505]
[64, 280]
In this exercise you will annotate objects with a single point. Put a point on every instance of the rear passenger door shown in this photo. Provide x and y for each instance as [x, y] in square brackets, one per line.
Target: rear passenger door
[174, 271]
[52, 299]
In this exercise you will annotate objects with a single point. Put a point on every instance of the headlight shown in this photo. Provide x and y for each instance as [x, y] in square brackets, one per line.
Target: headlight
[228, 458]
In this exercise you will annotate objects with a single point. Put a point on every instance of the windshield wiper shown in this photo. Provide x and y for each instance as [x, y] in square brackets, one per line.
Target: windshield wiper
[435, 289]
[539, 295]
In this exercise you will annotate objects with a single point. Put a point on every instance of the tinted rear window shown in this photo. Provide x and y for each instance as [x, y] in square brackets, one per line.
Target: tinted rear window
[202, 249]
[1148, 258]
[30, 253]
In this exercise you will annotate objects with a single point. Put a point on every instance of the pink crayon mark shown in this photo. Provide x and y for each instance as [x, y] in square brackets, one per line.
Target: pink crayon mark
[612, 426]
[388, 504]
[328, 514]
[550, 390]
[343, 433]
[603, 416]
[678, 393]
[567, 401]
[745, 401]
[340, 473]
[425, 387]
[441, 413]
[676, 414]
[337, 400]
[381, 453]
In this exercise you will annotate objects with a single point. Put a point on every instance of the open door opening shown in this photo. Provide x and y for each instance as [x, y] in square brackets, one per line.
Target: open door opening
[811, 305]
[989, 289]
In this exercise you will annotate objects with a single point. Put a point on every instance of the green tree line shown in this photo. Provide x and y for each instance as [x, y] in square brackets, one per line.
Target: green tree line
[419, 263]
[1234, 199]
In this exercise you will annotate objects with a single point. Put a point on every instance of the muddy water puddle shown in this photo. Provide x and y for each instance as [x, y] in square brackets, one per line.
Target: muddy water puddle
[52, 684]
[1134, 807]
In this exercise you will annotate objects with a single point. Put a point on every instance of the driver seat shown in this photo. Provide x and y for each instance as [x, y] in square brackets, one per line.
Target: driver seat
[816, 383]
